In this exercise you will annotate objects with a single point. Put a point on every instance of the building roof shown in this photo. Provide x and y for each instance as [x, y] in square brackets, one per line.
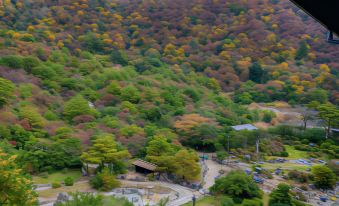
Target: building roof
[145, 165]
[335, 129]
[244, 127]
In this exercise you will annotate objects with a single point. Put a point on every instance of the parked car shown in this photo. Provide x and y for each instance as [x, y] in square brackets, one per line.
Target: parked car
[323, 198]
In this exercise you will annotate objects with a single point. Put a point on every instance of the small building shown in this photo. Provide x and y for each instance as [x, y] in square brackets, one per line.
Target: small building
[144, 167]
[244, 127]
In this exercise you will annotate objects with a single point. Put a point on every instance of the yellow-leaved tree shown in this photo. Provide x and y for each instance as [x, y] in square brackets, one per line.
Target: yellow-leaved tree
[15, 188]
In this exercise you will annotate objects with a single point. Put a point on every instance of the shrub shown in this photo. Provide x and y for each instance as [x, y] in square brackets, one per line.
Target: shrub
[104, 181]
[324, 178]
[268, 116]
[298, 176]
[69, 181]
[284, 154]
[28, 63]
[56, 185]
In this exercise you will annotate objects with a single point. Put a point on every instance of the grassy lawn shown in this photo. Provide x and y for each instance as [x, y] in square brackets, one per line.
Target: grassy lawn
[81, 187]
[295, 154]
[215, 201]
[265, 199]
[109, 201]
[286, 166]
[57, 177]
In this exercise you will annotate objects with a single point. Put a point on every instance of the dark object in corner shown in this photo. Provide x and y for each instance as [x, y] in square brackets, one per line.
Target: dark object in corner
[330, 38]
[325, 12]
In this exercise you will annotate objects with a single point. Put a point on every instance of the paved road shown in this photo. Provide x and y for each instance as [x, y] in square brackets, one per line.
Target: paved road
[185, 194]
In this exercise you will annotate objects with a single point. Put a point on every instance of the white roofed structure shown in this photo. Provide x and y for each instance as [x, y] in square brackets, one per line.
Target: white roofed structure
[244, 127]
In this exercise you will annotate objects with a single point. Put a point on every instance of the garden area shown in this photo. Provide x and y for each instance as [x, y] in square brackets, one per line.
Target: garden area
[58, 176]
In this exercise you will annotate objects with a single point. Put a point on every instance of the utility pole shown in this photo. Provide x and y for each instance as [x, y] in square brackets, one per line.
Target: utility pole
[194, 199]
[257, 148]
[228, 149]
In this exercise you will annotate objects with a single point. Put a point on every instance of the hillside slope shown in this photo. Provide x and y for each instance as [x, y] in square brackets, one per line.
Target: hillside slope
[222, 39]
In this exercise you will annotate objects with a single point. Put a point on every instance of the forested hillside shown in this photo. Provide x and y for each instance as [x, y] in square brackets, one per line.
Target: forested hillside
[271, 43]
[105, 81]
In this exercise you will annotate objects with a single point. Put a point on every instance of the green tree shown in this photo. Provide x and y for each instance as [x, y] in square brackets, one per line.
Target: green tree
[318, 95]
[324, 177]
[302, 51]
[15, 188]
[256, 73]
[159, 146]
[32, 115]
[105, 150]
[330, 115]
[237, 185]
[243, 98]
[114, 88]
[281, 195]
[119, 57]
[131, 94]
[6, 91]
[92, 43]
[187, 165]
[77, 105]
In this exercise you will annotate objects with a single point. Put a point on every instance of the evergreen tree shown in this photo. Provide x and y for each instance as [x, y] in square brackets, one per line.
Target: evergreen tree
[302, 51]
[281, 195]
[256, 73]
[324, 177]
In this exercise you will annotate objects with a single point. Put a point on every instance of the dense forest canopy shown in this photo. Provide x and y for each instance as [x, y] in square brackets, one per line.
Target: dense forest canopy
[270, 42]
[96, 84]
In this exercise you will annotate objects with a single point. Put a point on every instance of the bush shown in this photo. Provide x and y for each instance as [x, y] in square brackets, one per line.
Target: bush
[298, 176]
[268, 116]
[104, 181]
[284, 154]
[69, 181]
[28, 63]
[324, 177]
[56, 185]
